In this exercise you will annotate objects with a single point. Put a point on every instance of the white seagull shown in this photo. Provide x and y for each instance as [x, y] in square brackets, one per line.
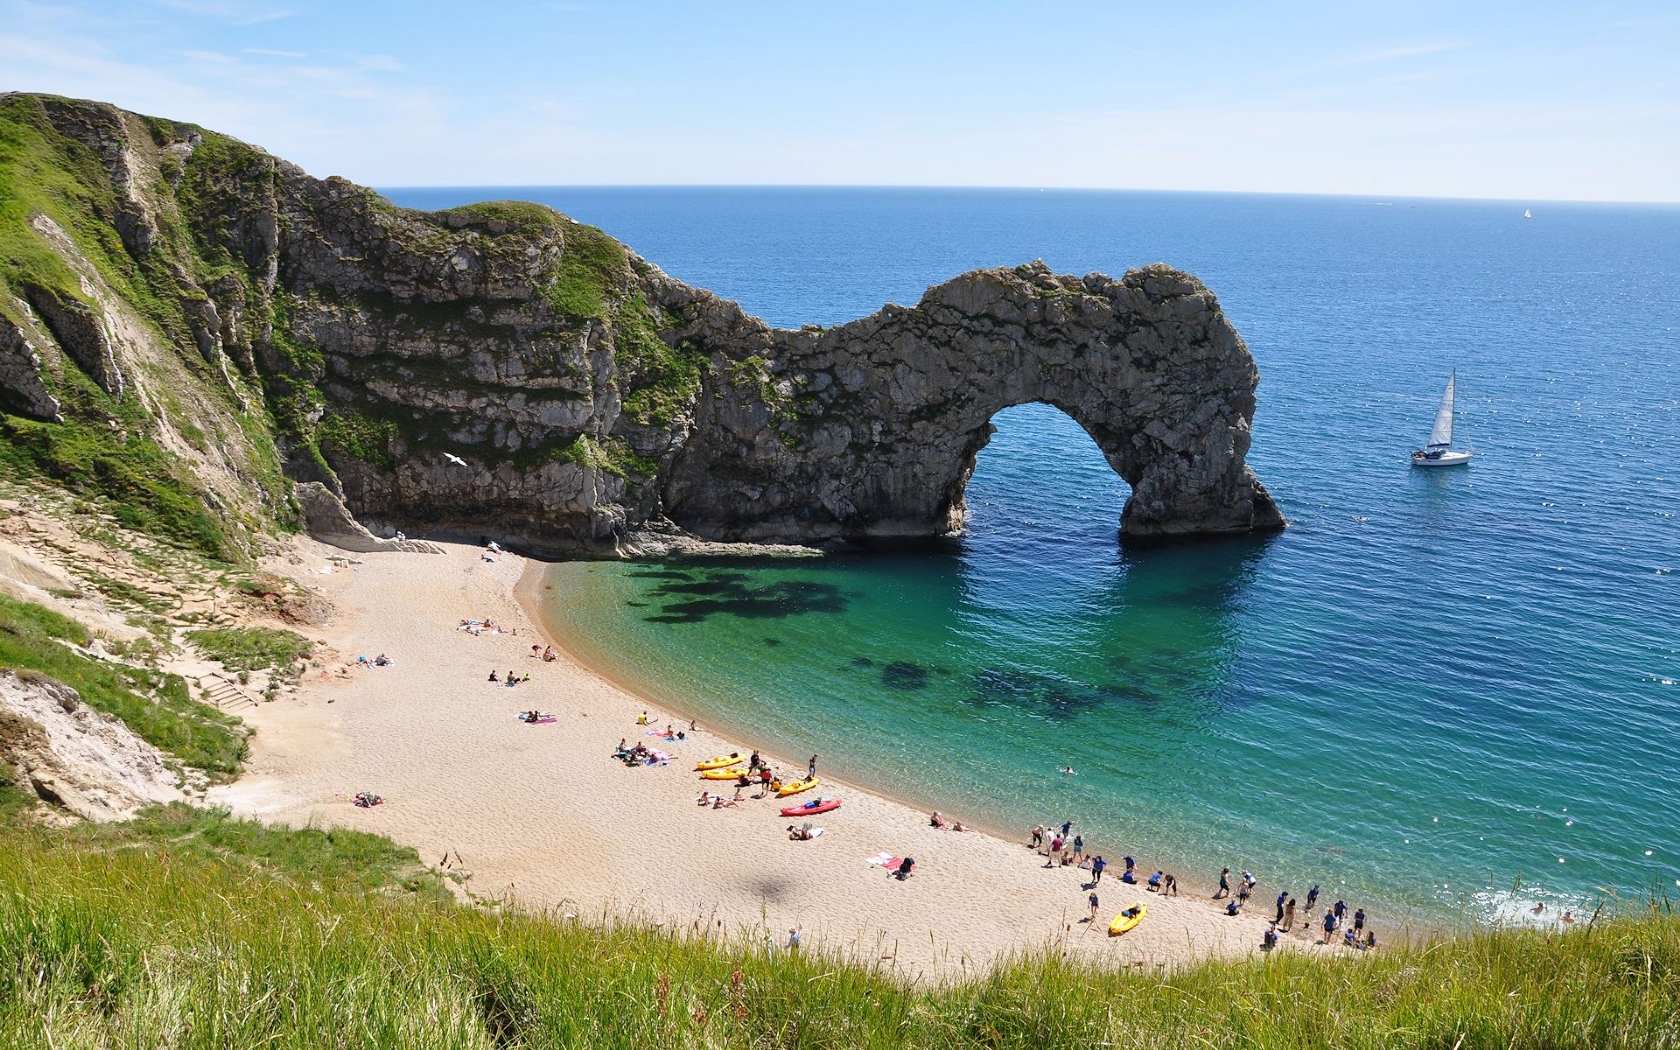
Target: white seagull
[453, 458]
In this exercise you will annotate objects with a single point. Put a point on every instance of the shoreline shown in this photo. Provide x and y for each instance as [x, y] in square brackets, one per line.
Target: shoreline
[528, 593]
[541, 815]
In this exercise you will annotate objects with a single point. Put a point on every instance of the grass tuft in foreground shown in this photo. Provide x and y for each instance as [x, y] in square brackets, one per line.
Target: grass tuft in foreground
[224, 935]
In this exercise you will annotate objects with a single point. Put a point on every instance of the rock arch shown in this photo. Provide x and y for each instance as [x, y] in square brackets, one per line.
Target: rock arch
[868, 430]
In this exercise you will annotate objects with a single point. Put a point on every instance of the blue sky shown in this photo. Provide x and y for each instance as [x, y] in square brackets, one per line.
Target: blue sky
[1526, 101]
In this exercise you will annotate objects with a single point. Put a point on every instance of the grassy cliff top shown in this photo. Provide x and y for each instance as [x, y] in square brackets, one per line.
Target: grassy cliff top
[194, 930]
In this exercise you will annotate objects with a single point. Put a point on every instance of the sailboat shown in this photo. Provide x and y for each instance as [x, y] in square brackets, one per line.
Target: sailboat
[1527, 214]
[1439, 452]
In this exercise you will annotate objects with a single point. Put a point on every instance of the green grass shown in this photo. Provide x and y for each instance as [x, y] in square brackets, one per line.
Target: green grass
[522, 217]
[360, 436]
[155, 705]
[591, 266]
[660, 381]
[251, 648]
[140, 483]
[195, 931]
[105, 446]
[338, 857]
[40, 172]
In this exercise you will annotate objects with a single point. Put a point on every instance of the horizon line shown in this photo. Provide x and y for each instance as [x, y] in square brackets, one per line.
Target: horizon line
[1377, 197]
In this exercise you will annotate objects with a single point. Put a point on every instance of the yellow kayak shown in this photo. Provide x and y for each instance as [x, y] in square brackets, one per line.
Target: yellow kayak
[724, 773]
[1127, 919]
[797, 786]
[719, 763]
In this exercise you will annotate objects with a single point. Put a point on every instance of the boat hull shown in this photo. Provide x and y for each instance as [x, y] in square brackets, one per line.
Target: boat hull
[1445, 459]
[825, 806]
[1124, 922]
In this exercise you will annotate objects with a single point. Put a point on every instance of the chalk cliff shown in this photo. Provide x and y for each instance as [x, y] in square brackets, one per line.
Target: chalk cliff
[501, 369]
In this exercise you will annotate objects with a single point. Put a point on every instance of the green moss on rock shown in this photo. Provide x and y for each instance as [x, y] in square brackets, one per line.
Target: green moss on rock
[591, 269]
[354, 434]
[659, 381]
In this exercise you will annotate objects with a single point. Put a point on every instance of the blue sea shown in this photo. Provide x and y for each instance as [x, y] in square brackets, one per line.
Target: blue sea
[1446, 695]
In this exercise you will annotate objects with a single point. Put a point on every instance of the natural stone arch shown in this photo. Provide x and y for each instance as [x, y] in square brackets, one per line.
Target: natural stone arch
[868, 430]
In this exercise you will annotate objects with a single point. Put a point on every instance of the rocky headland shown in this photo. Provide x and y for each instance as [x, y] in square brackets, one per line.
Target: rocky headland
[178, 298]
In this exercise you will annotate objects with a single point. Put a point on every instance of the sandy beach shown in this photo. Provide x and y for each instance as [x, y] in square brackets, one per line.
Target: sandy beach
[543, 817]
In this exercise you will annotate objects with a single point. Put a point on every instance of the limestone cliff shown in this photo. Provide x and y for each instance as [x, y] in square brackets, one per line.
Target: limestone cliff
[501, 369]
[71, 756]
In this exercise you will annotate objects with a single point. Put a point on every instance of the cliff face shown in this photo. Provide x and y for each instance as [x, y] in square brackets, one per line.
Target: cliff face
[501, 369]
[70, 755]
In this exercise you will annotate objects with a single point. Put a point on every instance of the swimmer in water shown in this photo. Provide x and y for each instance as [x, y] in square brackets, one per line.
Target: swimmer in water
[1068, 771]
[1538, 908]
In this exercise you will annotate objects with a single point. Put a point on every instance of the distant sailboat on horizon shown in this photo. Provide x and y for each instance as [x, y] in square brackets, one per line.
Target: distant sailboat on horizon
[1439, 452]
[1527, 214]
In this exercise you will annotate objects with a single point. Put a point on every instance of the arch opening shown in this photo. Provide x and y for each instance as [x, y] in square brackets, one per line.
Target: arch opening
[1036, 476]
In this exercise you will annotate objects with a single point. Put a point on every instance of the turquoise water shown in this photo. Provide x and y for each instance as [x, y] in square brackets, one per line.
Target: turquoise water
[1434, 687]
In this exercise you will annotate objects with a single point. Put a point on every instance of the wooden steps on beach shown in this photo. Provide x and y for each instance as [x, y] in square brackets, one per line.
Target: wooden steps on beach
[220, 692]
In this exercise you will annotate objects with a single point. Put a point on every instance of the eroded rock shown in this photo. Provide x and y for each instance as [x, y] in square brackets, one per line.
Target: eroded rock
[72, 756]
[502, 370]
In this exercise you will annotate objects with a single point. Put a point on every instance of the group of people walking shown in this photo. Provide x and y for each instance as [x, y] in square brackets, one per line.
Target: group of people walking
[1335, 918]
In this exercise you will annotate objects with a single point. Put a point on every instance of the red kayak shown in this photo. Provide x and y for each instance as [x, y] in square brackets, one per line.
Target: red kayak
[821, 805]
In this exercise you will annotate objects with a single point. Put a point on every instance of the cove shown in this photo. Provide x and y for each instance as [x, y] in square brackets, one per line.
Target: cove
[1447, 697]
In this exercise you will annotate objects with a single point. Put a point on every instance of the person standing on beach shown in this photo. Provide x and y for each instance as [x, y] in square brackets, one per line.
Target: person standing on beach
[1038, 836]
[1312, 897]
[1097, 867]
[1329, 925]
[1067, 826]
[1078, 847]
[1171, 886]
[811, 770]
[1094, 905]
[752, 763]
[1281, 898]
[1358, 922]
[1288, 916]
[1224, 884]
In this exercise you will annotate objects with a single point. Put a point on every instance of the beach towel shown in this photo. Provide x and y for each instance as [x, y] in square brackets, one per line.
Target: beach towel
[882, 860]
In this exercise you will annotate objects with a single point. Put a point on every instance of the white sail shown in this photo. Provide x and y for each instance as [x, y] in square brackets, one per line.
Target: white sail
[1441, 436]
